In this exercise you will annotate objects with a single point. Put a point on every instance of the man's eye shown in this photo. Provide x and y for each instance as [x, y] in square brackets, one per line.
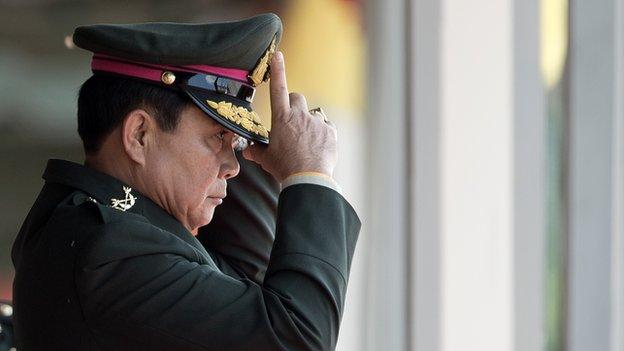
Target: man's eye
[220, 135]
[215, 141]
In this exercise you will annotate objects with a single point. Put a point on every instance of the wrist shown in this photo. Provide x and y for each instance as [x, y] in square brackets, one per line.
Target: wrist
[310, 173]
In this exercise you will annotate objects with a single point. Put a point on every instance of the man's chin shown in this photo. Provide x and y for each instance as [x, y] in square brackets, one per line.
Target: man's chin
[203, 219]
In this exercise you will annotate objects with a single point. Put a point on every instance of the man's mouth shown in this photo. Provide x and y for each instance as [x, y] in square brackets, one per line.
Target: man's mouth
[217, 199]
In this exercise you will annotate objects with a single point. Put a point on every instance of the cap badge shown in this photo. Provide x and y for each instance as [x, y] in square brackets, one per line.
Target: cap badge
[248, 120]
[260, 72]
[126, 203]
[168, 77]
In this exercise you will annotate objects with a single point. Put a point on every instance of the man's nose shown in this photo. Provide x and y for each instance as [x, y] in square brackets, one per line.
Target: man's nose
[229, 164]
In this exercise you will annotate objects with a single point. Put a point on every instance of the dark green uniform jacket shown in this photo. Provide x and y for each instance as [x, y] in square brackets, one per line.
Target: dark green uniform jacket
[91, 277]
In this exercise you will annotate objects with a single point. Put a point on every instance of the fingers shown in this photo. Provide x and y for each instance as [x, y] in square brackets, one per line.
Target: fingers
[298, 101]
[248, 153]
[278, 86]
[332, 126]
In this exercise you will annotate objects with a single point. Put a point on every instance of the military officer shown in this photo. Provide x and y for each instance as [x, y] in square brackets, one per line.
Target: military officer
[107, 258]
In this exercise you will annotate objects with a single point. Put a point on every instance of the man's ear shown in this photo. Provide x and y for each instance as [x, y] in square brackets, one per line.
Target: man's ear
[136, 129]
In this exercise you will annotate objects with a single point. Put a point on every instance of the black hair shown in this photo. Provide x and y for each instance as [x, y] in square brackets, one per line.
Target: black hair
[104, 100]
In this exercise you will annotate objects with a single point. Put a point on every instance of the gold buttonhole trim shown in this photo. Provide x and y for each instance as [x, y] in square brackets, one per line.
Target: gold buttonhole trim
[249, 120]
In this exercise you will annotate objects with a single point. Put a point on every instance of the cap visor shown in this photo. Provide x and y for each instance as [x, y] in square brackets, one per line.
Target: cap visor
[201, 99]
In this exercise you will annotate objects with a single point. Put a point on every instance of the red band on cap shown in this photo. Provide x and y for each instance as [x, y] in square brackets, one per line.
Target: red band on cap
[154, 72]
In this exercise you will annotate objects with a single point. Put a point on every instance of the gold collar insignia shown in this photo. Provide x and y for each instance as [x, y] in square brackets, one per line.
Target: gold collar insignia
[126, 203]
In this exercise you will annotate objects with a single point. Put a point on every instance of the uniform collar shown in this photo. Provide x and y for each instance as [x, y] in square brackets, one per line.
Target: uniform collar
[103, 187]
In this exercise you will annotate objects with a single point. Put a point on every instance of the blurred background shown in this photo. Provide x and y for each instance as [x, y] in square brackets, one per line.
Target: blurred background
[480, 141]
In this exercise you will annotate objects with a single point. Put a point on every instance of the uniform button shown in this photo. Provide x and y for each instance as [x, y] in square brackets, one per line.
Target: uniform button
[73, 243]
[6, 310]
[68, 300]
[168, 77]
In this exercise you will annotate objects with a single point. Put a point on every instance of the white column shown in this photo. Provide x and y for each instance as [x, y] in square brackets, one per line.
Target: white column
[477, 175]
[388, 276]
[464, 181]
[617, 245]
[591, 174]
[425, 169]
[529, 178]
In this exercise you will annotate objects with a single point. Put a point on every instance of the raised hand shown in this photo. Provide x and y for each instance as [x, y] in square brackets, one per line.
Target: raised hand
[300, 141]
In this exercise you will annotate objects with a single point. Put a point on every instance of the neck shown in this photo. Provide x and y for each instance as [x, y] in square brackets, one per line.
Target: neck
[119, 166]
[110, 163]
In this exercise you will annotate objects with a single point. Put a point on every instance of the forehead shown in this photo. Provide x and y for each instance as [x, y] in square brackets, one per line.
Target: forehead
[194, 118]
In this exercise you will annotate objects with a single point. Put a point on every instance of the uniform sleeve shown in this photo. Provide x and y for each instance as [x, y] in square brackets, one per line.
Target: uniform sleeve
[162, 300]
[241, 233]
[311, 178]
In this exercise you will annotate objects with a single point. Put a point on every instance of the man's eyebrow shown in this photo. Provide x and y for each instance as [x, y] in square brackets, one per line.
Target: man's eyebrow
[215, 127]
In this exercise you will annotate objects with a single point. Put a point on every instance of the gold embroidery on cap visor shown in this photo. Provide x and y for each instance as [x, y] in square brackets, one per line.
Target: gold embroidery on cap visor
[248, 120]
[259, 73]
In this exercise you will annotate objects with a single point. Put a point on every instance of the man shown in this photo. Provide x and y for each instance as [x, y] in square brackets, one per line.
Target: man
[107, 260]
